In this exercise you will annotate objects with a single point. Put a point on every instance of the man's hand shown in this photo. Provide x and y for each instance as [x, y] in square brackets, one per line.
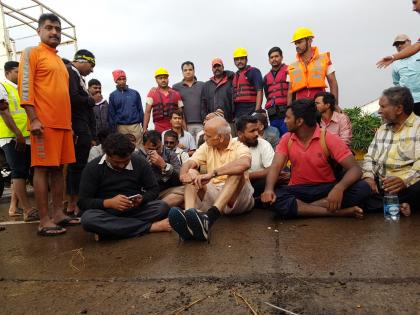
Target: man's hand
[268, 196]
[334, 198]
[186, 178]
[372, 184]
[137, 201]
[156, 159]
[20, 145]
[202, 180]
[393, 184]
[119, 202]
[384, 62]
[36, 127]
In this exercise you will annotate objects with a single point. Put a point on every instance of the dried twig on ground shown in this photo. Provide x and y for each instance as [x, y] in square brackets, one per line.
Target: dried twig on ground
[77, 253]
[236, 294]
[281, 309]
[185, 307]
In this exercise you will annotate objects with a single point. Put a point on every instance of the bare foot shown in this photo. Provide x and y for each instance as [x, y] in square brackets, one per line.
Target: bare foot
[161, 226]
[356, 212]
[405, 209]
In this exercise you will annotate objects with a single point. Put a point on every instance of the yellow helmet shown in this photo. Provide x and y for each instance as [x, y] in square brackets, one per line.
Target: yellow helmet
[161, 71]
[240, 52]
[302, 32]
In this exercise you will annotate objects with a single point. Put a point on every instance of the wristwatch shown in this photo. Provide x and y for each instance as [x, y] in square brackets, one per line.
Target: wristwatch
[166, 168]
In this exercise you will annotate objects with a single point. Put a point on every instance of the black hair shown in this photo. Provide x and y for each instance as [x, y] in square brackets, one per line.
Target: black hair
[178, 112]
[261, 118]
[305, 108]
[153, 136]
[187, 63]
[48, 17]
[275, 49]
[94, 82]
[102, 135]
[10, 65]
[243, 121]
[117, 144]
[327, 98]
[171, 133]
[400, 95]
[66, 61]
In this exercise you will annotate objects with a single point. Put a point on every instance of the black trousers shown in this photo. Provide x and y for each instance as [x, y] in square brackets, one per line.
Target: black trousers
[82, 145]
[410, 195]
[116, 224]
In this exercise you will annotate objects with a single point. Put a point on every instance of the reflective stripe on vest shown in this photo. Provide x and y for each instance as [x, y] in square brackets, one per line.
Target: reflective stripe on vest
[163, 110]
[17, 112]
[277, 87]
[309, 76]
[243, 91]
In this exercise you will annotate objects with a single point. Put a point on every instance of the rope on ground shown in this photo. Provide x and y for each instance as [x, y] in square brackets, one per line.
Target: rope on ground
[77, 253]
[236, 294]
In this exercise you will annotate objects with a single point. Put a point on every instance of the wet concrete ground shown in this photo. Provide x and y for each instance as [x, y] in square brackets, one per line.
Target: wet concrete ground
[308, 266]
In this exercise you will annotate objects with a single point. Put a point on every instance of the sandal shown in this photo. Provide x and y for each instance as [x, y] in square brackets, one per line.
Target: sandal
[18, 212]
[51, 230]
[69, 221]
[2, 228]
[32, 216]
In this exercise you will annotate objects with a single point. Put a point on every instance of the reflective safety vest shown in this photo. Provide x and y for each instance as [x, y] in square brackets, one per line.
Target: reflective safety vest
[277, 87]
[312, 75]
[17, 112]
[163, 110]
[243, 91]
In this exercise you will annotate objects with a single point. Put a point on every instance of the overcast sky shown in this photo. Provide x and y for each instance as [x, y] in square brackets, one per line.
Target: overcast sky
[140, 36]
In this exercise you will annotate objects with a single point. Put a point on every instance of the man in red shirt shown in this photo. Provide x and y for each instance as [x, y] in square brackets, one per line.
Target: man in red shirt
[162, 102]
[313, 189]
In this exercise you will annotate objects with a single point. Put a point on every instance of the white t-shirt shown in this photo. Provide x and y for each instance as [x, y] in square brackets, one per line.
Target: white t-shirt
[262, 155]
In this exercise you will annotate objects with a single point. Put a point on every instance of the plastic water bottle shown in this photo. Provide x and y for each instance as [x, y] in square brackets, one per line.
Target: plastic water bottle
[391, 207]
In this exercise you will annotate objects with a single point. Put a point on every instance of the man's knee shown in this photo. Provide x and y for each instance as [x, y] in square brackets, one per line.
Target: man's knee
[89, 219]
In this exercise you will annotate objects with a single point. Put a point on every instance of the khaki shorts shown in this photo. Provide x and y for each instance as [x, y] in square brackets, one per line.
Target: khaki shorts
[244, 202]
[136, 130]
[178, 190]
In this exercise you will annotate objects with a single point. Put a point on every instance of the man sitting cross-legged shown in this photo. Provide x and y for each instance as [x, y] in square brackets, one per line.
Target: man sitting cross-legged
[313, 189]
[108, 190]
[225, 189]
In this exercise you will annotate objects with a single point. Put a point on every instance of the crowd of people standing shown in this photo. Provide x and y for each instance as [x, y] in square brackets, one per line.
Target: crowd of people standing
[214, 150]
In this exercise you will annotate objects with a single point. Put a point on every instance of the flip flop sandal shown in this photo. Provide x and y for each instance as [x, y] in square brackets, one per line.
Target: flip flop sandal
[18, 212]
[2, 228]
[69, 222]
[51, 231]
[32, 216]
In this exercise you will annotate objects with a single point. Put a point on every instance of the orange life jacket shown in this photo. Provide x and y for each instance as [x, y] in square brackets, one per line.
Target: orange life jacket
[312, 75]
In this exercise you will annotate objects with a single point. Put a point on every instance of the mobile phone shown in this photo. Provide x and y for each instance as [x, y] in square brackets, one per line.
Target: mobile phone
[135, 196]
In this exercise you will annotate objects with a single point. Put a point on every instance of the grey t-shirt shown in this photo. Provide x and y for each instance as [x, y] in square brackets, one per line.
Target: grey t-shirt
[191, 97]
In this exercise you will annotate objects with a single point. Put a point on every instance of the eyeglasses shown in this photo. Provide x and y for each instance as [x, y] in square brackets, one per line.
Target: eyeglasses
[396, 44]
[169, 142]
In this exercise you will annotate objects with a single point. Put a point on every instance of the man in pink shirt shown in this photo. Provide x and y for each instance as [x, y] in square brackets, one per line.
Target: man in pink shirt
[313, 189]
[335, 122]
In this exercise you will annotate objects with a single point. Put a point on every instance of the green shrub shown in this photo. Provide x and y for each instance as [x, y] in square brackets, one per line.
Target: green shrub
[364, 127]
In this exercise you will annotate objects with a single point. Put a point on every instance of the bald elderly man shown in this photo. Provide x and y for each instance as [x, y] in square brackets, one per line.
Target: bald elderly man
[224, 190]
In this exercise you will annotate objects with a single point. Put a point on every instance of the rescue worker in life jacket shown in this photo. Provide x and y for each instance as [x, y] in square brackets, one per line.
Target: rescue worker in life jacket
[308, 73]
[276, 88]
[247, 85]
[163, 100]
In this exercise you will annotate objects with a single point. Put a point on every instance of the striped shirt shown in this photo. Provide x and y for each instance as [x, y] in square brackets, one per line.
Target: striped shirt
[395, 153]
[339, 125]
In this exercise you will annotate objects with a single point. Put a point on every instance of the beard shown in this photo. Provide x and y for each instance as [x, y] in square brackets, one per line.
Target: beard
[252, 143]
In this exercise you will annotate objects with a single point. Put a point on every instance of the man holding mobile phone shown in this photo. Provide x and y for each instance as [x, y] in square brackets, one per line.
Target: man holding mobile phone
[118, 193]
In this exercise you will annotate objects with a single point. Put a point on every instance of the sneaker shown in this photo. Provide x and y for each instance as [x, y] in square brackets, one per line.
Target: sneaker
[178, 222]
[199, 224]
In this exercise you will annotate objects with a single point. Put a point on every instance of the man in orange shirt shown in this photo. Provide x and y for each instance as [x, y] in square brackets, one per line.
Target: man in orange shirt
[43, 84]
